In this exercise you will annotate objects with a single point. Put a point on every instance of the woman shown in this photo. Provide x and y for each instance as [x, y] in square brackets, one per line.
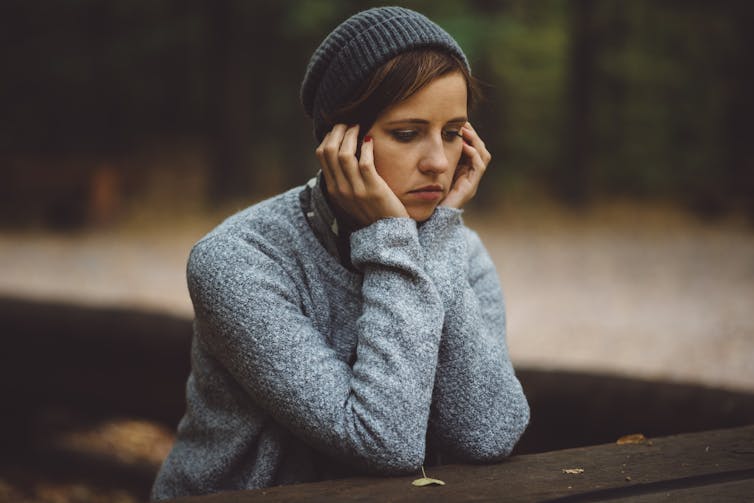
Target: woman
[354, 325]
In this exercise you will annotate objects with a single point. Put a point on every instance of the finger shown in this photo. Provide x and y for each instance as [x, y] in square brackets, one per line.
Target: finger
[367, 168]
[326, 171]
[331, 150]
[471, 138]
[347, 159]
[469, 134]
[476, 163]
[477, 168]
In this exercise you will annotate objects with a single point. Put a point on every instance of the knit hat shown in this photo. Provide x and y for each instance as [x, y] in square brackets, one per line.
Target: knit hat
[356, 48]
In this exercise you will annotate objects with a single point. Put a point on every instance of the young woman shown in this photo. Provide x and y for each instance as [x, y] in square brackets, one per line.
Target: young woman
[354, 325]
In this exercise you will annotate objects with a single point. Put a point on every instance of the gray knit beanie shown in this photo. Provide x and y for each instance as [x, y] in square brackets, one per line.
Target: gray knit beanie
[356, 48]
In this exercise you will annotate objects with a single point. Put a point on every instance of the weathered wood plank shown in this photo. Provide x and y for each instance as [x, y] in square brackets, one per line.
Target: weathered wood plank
[692, 466]
[729, 492]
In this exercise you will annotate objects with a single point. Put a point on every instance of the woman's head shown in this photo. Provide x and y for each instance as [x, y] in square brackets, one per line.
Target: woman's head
[355, 62]
[409, 87]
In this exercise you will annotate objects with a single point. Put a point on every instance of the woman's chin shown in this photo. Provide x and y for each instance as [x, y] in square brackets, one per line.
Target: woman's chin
[421, 214]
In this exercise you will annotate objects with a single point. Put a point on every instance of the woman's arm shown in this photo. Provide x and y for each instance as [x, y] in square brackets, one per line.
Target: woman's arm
[479, 410]
[250, 319]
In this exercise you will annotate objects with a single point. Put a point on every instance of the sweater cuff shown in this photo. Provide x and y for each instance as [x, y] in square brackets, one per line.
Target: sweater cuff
[440, 227]
[389, 241]
[445, 216]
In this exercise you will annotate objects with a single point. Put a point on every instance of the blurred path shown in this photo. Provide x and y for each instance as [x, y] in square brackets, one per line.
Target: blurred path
[622, 290]
[629, 291]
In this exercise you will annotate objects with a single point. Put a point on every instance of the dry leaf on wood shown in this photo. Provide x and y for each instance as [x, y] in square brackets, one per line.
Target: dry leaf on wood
[636, 438]
[573, 471]
[426, 481]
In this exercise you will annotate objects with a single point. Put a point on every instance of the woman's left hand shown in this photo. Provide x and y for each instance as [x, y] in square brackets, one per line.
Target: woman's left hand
[469, 172]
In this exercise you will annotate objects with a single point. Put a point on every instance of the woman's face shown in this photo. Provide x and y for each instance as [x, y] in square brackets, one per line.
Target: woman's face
[416, 144]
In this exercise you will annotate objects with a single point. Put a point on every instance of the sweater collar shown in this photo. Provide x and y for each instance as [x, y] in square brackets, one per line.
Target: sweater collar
[332, 227]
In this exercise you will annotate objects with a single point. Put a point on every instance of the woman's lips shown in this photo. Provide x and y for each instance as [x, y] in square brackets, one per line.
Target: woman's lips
[428, 192]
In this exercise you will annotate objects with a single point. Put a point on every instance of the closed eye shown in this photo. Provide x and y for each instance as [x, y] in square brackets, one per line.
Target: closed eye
[450, 135]
[404, 135]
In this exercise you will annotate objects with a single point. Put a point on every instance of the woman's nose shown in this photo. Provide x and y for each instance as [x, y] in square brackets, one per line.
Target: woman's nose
[435, 159]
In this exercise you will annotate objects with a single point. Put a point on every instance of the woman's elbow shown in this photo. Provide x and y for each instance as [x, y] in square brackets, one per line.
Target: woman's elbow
[496, 441]
[399, 460]
[385, 449]
[508, 436]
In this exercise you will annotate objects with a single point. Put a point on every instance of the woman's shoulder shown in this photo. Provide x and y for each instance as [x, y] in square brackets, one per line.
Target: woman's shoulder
[472, 238]
[273, 227]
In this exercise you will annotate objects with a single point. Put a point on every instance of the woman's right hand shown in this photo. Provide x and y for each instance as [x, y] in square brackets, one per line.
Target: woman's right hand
[354, 184]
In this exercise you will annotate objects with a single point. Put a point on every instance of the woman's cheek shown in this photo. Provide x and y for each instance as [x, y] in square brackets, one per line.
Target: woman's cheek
[385, 164]
[457, 160]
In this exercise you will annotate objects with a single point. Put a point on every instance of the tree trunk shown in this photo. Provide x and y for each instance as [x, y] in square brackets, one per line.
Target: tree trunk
[572, 178]
[228, 95]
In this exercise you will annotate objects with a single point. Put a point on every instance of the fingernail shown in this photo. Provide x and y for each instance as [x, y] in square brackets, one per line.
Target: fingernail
[367, 139]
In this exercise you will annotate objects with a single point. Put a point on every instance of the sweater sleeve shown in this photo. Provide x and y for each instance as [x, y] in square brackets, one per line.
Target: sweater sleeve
[479, 410]
[375, 413]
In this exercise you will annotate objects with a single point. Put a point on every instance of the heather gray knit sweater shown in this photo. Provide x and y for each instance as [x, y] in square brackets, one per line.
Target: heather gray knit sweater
[303, 370]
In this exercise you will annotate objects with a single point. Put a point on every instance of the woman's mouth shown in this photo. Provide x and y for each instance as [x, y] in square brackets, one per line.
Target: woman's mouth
[428, 192]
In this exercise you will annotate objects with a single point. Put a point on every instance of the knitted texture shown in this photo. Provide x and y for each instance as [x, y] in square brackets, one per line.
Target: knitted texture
[356, 48]
[303, 370]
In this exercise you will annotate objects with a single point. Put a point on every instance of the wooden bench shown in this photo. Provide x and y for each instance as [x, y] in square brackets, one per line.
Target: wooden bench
[715, 465]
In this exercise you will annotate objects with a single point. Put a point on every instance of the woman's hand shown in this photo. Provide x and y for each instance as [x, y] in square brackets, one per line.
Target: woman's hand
[354, 184]
[470, 170]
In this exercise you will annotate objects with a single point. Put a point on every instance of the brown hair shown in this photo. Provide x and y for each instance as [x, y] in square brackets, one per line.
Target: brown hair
[397, 80]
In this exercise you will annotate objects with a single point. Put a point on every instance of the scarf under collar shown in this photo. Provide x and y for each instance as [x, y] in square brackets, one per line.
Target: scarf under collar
[332, 228]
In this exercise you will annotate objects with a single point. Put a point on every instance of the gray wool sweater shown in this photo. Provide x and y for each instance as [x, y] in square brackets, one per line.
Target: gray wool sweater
[304, 370]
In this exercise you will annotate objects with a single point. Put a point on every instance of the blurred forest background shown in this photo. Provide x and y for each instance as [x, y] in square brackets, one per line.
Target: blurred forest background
[181, 104]
[618, 208]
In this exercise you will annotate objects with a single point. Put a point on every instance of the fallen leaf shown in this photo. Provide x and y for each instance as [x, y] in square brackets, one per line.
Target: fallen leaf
[573, 471]
[636, 438]
[425, 481]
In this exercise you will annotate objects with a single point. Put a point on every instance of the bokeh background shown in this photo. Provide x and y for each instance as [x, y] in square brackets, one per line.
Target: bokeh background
[618, 208]
[586, 100]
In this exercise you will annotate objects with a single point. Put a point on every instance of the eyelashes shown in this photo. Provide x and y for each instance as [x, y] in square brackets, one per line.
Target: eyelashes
[407, 135]
[404, 135]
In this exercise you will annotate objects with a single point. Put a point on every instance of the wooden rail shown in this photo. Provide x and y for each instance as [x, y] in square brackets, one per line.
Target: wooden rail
[714, 465]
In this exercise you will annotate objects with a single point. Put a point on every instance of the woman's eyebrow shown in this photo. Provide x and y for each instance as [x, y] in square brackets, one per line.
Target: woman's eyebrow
[424, 121]
[408, 121]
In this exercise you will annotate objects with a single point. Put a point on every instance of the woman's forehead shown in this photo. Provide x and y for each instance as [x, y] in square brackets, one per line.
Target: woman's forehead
[443, 99]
